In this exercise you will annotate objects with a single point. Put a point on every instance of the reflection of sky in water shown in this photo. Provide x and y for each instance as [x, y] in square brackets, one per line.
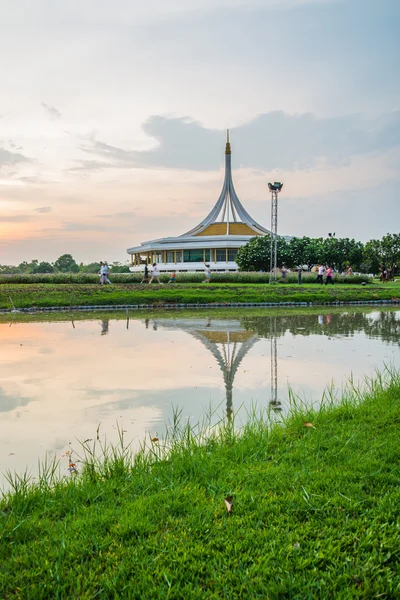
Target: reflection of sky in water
[59, 380]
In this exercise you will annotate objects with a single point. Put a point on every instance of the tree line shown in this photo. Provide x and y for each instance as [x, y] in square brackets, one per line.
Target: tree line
[255, 256]
[338, 252]
[64, 264]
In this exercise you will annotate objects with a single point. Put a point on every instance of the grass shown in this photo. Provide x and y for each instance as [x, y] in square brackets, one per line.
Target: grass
[314, 511]
[70, 295]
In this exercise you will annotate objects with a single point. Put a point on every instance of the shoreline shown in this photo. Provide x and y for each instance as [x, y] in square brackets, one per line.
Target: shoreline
[214, 305]
[67, 297]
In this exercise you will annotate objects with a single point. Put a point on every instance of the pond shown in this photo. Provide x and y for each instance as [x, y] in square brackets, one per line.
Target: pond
[61, 378]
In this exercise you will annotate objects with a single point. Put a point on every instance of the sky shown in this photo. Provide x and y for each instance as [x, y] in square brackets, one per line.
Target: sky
[113, 119]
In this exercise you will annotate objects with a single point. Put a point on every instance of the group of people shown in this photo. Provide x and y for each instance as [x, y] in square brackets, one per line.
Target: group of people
[155, 274]
[328, 272]
[386, 273]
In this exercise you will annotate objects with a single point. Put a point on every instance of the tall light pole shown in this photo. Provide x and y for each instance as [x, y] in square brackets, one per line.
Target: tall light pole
[274, 188]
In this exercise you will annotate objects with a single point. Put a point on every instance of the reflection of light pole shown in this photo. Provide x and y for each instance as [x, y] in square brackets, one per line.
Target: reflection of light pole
[274, 402]
[274, 188]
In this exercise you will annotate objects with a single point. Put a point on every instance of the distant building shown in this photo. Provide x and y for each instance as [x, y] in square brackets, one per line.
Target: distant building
[215, 241]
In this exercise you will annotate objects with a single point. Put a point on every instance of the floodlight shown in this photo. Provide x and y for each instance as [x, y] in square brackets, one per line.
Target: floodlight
[276, 186]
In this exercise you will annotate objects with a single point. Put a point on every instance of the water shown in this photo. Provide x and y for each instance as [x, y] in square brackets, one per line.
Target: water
[60, 379]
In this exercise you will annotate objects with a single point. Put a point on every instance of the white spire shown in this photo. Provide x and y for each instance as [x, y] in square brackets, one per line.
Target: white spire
[228, 208]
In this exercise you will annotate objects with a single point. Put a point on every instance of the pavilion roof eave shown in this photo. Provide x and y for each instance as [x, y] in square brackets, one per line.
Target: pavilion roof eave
[231, 241]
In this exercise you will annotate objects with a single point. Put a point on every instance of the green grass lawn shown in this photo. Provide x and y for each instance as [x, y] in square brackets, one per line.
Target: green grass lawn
[72, 294]
[315, 513]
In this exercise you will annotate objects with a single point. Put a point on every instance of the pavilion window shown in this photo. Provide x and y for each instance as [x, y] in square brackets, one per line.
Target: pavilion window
[206, 255]
[158, 257]
[179, 256]
[193, 256]
[232, 252]
[170, 257]
[221, 255]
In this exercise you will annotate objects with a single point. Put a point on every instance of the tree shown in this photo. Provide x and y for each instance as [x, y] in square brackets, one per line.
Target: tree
[26, 267]
[305, 251]
[390, 246]
[66, 264]
[255, 255]
[118, 268]
[342, 252]
[373, 256]
[89, 268]
[43, 267]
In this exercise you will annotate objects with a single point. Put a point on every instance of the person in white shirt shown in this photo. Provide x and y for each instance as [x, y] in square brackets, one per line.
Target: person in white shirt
[207, 272]
[155, 274]
[104, 271]
[321, 271]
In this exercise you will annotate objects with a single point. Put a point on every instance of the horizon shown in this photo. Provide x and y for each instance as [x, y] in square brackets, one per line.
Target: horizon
[113, 120]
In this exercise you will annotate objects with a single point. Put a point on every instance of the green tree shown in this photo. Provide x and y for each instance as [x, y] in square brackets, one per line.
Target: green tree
[43, 267]
[255, 255]
[26, 267]
[342, 252]
[8, 269]
[373, 256]
[89, 268]
[390, 246]
[117, 267]
[66, 264]
[305, 251]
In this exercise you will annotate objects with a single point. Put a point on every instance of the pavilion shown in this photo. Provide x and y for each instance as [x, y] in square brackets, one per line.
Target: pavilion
[215, 241]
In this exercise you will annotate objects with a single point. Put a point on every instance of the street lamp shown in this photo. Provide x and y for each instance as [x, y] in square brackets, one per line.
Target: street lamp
[274, 188]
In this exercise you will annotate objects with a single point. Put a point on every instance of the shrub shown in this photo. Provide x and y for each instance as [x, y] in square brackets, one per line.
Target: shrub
[182, 278]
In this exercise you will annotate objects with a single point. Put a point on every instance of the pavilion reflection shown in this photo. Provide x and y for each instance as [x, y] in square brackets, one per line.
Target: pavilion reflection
[229, 342]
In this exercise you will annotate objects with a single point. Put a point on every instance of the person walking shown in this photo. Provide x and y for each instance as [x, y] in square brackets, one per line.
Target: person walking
[155, 274]
[329, 276]
[207, 273]
[146, 274]
[320, 276]
[106, 271]
[100, 273]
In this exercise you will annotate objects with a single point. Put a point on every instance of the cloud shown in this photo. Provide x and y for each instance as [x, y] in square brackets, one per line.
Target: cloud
[9, 403]
[12, 158]
[274, 140]
[33, 179]
[52, 112]
[90, 165]
[96, 227]
[15, 218]
[43, 209]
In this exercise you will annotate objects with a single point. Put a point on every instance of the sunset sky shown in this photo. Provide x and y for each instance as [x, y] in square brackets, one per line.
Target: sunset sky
[113, 118]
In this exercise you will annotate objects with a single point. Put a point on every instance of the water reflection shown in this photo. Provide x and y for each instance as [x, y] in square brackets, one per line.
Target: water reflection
[60, 379]
[227, 341]
[383, 324]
